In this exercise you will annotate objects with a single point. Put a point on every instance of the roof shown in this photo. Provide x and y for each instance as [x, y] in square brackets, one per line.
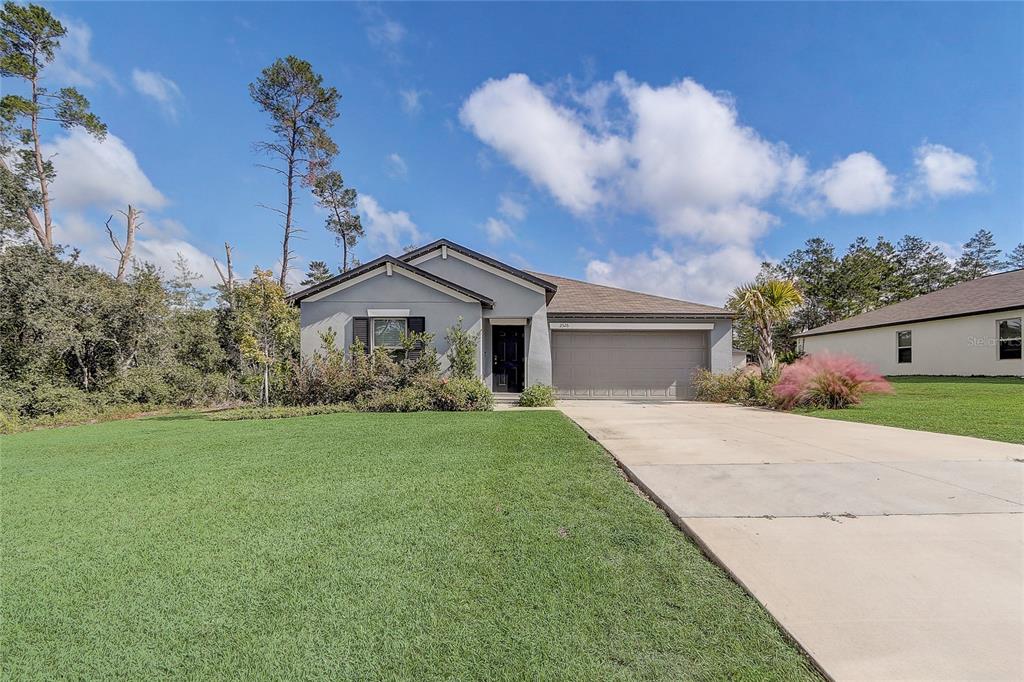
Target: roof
[1003, 291]
[575, 297]
[504, 267]
[376, 263]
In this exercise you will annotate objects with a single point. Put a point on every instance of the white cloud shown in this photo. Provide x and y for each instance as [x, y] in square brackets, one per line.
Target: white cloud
[160, 89]
[944, 172]
[411, 100]
[389, 230]
[701, 276]
[857, 184]
[498, 230]
[397, 166]
[383, 32]
[105, 174]
[546, 142]
[73, 65]
[511, 208]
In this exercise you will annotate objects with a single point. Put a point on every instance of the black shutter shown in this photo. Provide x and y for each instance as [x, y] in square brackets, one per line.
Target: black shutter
[418, 325]
[361, 331]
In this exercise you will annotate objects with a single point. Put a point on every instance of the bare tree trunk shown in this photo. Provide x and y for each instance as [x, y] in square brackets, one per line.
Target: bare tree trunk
[45, 232]
[229, 280]
[125, 252]
[344, 254]
[286, 254]
[30, 214]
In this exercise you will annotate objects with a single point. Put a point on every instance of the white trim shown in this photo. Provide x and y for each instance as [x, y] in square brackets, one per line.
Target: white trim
[387, 312]
[507, 321]
[387, 266]
[400, 271]
[480, 264]
[632, 326]
[444, 251]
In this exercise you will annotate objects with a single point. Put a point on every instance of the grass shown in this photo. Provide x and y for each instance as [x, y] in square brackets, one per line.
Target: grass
[413, 546]
[984, 407]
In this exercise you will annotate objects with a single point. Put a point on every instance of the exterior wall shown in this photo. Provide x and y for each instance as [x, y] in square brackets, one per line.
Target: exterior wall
[959, 346]
[336, 310]
[510, 300]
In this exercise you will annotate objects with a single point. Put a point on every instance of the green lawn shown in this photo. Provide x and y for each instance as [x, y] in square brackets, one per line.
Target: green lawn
[490, 546]
[984, 407]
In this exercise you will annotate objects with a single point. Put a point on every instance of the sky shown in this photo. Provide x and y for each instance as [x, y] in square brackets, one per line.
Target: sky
[667, 148]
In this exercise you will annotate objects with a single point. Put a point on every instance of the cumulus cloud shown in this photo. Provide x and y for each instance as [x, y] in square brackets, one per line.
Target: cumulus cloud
[160, 89]
[701, 276]
[546, 142]
[396, 166]
[74, 64]
[511, 207]
[498, 230]
[389, 230]
[942, 171]
[411, 100]
[103, 173]
[857, 184]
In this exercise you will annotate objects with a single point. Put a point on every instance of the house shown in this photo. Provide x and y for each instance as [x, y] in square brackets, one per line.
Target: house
[970, 329]
[586, 340]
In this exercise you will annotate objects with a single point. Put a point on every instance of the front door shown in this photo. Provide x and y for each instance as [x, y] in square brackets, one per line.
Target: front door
[508, 366]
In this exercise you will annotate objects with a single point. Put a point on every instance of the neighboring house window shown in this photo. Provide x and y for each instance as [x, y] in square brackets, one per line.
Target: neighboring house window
[388, 332]
[903, 348]
[1009, 339]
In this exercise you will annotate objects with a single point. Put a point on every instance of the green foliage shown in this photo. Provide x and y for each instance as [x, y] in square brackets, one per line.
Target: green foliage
[766, 304]
[339, 202]
[980, 257]
[461, 394]
[462, 351]
[537, 395]
[743, 386]
[316, 273]
[267, 326]
[277, 412]
[1015, 258]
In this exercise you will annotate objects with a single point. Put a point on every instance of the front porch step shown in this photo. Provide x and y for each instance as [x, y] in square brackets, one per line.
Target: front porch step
[506, 398]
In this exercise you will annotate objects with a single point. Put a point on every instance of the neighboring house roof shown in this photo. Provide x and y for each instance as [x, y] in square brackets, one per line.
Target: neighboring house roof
[1003, 291]
[504, 267]
[585, 299]
[396, 263]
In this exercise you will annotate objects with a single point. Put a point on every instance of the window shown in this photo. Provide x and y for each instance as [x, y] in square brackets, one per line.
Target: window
[1009, 339]
[903, 349]
[388, 332]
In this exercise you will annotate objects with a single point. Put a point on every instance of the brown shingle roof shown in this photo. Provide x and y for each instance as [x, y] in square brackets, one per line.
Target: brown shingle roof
[583, 298]
[1004, 291]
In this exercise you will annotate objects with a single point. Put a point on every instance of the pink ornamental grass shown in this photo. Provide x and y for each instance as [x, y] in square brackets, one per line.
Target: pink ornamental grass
[829, 381]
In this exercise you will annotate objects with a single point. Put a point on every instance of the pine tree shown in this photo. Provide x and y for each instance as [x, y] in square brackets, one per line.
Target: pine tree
[980, 257]
[316, 273]
[921, 268]
[1015, 258]
[339, 202]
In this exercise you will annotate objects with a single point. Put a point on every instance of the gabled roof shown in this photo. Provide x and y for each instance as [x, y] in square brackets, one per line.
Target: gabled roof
[382, 262]
[504, 267]
[1003, 291]
[575, 297]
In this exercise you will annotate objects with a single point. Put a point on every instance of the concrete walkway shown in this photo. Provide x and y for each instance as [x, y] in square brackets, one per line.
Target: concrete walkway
[888, 554]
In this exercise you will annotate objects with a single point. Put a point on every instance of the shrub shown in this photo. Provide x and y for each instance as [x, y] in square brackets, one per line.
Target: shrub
[828, 381]
[537, 395]
[743, 385]
[463, 395]
[462, 345]
[278, 412]
[144, 385]
[47, 400]
[408, 399]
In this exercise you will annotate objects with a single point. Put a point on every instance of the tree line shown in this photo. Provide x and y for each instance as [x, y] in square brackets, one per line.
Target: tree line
[829, 286]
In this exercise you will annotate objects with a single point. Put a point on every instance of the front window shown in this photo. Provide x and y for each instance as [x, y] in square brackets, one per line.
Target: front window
[1009, 339]
[388, 332]
[903, 347]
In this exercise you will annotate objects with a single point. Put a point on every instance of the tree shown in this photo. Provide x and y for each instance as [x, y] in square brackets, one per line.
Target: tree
[267, 325]
[182, 291]
[921, 268]
[301, 110]
[980, 257]
[317, 272]
[1015, 258]
[339, 202]
[865, 277]
[813, 268]
[132, 223]
[29, 39]
[765, 305]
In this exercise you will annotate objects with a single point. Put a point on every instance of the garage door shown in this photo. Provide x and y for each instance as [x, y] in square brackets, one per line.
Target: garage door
[626, 364]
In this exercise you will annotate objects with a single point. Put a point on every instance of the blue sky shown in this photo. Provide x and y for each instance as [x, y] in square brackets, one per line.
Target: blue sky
[661, 147]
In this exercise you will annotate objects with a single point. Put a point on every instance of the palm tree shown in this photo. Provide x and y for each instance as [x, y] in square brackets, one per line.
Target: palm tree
[766, 304]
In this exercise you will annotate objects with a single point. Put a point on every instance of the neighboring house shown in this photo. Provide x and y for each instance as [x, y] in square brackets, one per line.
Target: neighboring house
[971, 329]
[586, 340]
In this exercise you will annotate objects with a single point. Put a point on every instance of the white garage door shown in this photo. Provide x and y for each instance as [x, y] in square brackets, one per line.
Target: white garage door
[626, 364]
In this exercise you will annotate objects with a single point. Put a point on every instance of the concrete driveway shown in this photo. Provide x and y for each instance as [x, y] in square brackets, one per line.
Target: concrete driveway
[888, 554]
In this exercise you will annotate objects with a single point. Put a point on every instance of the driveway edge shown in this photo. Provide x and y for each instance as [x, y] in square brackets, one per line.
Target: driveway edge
[706, 550]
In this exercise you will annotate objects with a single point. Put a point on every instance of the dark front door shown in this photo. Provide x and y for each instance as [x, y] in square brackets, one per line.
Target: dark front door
[508, 366]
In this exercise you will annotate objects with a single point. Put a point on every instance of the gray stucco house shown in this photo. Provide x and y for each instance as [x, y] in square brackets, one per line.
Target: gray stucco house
[586, 340]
